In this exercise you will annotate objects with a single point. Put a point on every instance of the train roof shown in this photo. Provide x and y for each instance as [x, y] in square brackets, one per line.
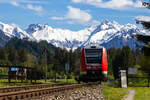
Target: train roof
[93, 47]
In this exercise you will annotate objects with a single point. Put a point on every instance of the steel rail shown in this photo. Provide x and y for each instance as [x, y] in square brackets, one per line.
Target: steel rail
[39, 92]
[27, 87]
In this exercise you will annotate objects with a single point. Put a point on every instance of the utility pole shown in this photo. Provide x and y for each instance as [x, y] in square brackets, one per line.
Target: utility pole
[45, 54]
[67, 70]
[46, 64]
[55, 70]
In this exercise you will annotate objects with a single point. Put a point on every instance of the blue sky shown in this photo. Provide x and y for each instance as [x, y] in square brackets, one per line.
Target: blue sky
[70, 14]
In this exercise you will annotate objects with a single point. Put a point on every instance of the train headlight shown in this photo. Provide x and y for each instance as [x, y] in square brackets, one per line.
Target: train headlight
[104, 73]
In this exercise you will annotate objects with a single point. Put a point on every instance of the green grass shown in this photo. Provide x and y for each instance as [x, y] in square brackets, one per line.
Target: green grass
[137, 82]
[4, 82]
[57, 81]
[115, 93]
[142, 93]
[111, 93]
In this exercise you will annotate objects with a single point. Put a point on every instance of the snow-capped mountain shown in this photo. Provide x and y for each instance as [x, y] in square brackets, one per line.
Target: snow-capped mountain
[3, 38]
[59, 37]
[108, 34]
[14, 31]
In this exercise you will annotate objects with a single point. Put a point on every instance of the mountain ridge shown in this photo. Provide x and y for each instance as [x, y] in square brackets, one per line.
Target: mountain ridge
[107, 33]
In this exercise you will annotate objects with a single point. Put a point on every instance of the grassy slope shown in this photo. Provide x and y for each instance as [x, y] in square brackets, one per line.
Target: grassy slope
[142, 93]
[4, 82]
[111, 93]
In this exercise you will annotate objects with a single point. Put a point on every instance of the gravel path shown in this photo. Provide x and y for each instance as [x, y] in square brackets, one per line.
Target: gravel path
[85, 93]
[130, 95]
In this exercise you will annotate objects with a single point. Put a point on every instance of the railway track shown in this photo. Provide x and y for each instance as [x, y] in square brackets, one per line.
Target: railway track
[33, 93]
[26, 87]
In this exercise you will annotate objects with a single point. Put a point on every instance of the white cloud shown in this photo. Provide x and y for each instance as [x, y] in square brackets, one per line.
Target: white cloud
[70, 22]
[15, 3]
[22, 4]
[78, 15]
[75, 15]
[35, 8]
[143, 18]
[77, 1]
[112, 4]
[86, 1]
[57, 18]
[24, 1]
[138, 4]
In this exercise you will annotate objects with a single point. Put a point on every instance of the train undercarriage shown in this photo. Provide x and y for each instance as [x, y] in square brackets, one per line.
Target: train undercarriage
[91, 76]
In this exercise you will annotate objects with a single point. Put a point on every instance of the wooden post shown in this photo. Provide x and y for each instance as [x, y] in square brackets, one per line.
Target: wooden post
[148, 78]
[25, 74]
[55, 76]
[21, 77]
[127, 77]
[31, 75]
[46, 73]
[67, 70]
[9, 76]
[55, 69]
[34, 73]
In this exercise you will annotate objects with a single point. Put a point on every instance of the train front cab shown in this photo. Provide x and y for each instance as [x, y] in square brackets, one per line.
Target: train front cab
[93, 64]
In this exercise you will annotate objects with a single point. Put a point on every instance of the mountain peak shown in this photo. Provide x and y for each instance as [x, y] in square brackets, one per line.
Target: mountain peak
[107, 33]
[35, 27]
[106, 25]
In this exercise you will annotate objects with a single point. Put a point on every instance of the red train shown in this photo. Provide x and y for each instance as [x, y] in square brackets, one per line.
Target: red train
[93, 63]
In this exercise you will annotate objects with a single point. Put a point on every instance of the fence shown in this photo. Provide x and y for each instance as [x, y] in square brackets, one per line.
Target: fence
[138, 77]
[13, 73]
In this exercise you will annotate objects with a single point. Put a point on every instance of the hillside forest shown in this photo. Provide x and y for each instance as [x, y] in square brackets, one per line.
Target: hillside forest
[51, 61]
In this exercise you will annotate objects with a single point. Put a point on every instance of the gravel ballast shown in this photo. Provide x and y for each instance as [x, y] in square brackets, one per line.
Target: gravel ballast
[84, 93]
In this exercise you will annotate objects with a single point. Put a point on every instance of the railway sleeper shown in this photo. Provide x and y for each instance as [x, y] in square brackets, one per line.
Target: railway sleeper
[55, 91]
[39, 93]
[31, 95]
[46, 91]
[35, 94]
[50, 92]
[43, 92]
[22, 96]
[14, 97]
[9, 98]
[25, 88]
[2, 98]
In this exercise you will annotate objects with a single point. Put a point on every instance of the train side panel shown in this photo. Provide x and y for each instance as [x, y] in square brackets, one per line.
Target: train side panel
[83, 65]
[104, 65]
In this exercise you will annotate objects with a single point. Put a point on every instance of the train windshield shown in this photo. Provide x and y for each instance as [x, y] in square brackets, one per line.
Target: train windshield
[93, 56]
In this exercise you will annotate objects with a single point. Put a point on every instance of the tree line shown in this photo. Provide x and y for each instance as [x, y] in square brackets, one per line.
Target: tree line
[51, 61]
[122, 59]
[45, 58]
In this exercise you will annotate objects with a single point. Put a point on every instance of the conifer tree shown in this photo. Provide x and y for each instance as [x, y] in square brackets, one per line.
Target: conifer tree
[3, 55]
[13, 56]
[145, 61]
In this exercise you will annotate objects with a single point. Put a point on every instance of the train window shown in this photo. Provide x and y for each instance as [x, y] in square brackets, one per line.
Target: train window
[93, 56]
[93, 60]
[93, 52]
